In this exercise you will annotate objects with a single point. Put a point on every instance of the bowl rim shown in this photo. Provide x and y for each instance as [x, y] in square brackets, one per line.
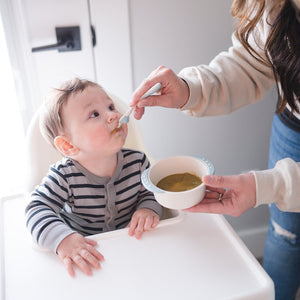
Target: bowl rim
[148, 183]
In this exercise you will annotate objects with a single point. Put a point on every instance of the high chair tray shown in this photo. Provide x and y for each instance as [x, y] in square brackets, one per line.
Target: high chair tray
[188, 256]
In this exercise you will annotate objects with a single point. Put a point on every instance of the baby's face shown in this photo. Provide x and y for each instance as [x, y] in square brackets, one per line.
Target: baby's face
[89, 121]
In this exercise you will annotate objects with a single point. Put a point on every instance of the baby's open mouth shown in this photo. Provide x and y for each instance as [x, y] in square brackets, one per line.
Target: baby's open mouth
[117, 129]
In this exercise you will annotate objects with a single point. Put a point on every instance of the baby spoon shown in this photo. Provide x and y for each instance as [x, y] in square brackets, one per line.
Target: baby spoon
[125, 118]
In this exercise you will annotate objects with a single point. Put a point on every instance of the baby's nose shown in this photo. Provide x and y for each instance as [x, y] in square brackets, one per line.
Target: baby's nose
[112, 117]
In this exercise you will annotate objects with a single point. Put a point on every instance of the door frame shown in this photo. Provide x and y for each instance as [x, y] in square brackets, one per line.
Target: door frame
[21, 61]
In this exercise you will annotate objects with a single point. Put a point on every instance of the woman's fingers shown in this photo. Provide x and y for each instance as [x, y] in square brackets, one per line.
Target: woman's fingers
[217, 181]
[216, 207]
[138, 112]
[214, 193]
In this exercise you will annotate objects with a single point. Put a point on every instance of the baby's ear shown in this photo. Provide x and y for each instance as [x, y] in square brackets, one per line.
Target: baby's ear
[65, 146]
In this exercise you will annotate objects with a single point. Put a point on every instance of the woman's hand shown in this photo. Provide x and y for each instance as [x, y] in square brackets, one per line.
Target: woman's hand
[174, 92]
[229, 195]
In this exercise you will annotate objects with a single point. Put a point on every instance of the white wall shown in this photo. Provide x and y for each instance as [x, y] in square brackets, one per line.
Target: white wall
[113, 49]
[181, 33]
[136, 36]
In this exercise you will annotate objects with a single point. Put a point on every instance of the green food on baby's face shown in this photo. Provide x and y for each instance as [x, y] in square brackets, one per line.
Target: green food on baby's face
[179, 182]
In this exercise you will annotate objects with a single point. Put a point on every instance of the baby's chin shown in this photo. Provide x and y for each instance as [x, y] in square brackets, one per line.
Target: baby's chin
[121, 139]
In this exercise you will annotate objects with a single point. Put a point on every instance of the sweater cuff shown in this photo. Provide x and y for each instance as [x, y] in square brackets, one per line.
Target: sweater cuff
[278, 186]
[54, 237]
[153, 205]
[265, 182]
[194, 87]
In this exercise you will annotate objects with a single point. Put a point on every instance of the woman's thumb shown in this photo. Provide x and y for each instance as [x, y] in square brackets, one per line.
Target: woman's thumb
[216, 181]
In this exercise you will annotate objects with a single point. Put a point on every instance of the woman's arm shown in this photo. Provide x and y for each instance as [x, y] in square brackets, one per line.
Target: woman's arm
[232, 80]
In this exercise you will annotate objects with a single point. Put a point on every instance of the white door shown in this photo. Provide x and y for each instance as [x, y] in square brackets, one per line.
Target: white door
[102, 53]
[52, 67]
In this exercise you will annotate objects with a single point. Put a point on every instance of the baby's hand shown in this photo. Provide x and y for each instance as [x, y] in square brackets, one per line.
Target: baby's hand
[78, 250]
[142, 220]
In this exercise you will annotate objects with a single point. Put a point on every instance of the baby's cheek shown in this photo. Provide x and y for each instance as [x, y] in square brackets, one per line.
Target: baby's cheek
[99, 137]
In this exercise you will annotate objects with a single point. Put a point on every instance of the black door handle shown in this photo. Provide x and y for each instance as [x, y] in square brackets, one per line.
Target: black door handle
[68, 39]
[59, 46]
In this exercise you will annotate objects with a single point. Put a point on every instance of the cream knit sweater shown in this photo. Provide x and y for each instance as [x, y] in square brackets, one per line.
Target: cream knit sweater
[232, 80]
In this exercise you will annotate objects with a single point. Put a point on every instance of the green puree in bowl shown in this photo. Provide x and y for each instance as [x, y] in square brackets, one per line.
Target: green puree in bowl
[179, 182]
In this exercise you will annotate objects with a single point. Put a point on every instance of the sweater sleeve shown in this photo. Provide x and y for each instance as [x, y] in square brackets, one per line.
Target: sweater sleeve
[42, 213]
[146, 198]
[279, 185]
[232, 80]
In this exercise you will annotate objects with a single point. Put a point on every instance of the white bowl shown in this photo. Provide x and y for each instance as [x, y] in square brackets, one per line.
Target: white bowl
[199, 166]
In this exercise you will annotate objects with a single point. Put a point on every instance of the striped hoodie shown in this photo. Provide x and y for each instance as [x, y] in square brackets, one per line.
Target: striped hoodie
[71, 199]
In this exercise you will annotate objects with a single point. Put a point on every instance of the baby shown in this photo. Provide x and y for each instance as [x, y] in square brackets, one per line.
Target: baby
[96, 187]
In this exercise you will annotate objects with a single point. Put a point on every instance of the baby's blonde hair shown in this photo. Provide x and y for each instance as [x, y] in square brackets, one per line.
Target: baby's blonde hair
[51, 123]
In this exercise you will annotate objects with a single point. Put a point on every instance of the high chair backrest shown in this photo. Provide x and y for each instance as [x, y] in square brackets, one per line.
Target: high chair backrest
[40, 154]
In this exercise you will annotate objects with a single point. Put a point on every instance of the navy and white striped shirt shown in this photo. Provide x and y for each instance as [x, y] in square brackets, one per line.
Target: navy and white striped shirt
[70, 198]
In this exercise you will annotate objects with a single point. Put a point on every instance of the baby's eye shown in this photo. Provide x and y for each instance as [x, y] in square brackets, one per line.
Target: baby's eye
[95, 114]
[112, 107]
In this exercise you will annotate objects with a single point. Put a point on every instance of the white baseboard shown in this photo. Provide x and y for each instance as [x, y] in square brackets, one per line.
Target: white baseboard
[254, 239]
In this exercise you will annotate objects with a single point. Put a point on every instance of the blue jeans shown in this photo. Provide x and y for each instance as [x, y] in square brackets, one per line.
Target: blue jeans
[282, 249]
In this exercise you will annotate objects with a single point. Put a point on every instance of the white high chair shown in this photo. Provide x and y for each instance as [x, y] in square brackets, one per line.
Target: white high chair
[197, 256]
[40, 155]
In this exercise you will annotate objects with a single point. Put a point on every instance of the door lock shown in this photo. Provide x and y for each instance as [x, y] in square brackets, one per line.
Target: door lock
[68, 39]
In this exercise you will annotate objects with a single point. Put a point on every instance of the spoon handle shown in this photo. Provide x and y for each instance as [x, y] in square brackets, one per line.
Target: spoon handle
[125, 117]
[129, 111]
[152, 90]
